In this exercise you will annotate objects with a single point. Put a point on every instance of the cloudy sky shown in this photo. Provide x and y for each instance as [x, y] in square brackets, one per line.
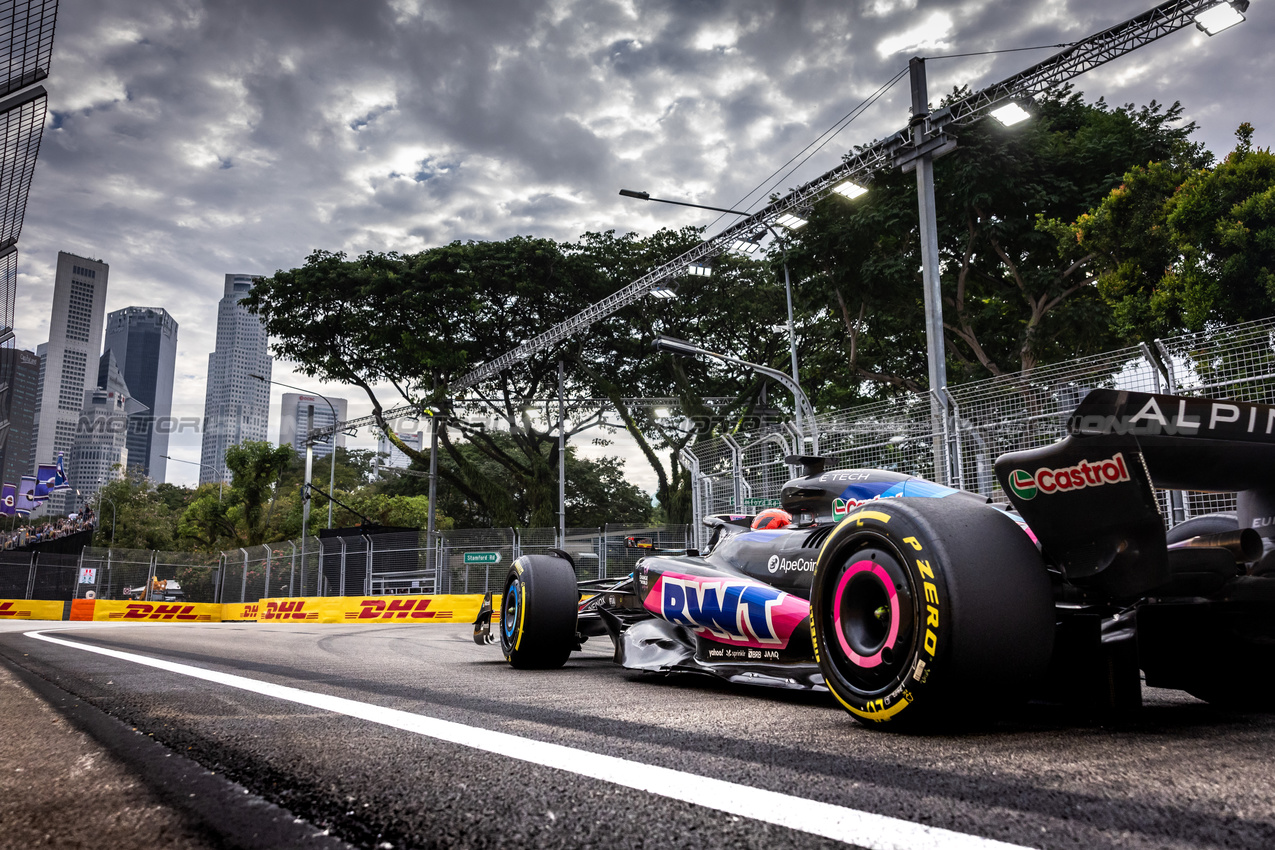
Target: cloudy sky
[191, 138]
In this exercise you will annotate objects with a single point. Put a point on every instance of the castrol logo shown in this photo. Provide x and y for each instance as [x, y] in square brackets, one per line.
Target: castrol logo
[1025, 485]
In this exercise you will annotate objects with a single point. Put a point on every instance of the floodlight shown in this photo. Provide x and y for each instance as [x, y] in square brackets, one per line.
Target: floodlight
[1223, 16]
[792, 222]
[1010, 114]
[676, 346]
[744, 246]
[850, 189]
[699, 270]
[663, 292]
[661, 413]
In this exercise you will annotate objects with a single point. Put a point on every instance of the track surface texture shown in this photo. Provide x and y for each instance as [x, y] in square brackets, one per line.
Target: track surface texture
[1181, 774]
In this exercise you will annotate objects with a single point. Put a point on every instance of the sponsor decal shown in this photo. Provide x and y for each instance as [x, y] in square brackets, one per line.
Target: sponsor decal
[396, 609]
[1263, 522]
[841, 508]
[164, 611]
[737, 612]
[845, 476]
[790, 565]
[726, 653]
[279, 610]
[30, 609]
[1025, 485]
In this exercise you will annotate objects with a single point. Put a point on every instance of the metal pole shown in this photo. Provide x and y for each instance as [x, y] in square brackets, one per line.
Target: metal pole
[930, 265]
[332, 465]
[562, 461]
[305, 502]
[265, 591]
[431, 554]
[292, 576]
[243, 582]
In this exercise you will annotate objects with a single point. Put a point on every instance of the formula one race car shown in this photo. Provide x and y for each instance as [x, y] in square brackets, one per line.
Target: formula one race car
[912, 602]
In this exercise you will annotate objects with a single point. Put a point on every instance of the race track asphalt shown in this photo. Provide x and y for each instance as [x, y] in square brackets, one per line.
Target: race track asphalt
[1181, 775]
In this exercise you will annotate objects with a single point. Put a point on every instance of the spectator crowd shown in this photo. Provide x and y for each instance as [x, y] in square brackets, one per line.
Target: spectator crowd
[29, 535]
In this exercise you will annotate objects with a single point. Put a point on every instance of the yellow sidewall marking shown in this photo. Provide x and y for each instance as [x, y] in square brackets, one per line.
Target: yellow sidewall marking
[522, 612]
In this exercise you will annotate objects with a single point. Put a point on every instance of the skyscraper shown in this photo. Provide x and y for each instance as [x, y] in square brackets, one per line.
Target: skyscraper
[302, 414]
[70, 357]
[144, 342]
[20, 371]
[100, 452]
[236, 405]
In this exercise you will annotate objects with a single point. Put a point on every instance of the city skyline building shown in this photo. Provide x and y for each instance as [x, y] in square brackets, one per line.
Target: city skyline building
[301, 413]
[144, 342]
[396, 458]
[20, 372]
[100, 452]
[236, 405]
[69, 360]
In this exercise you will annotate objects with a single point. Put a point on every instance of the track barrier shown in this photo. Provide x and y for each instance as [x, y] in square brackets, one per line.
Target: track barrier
[380, 610]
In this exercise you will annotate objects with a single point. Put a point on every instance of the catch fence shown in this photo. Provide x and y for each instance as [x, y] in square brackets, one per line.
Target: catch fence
[978, 421]
[455, 561]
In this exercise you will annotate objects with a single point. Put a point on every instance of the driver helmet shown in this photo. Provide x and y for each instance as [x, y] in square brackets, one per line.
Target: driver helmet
[771, 519]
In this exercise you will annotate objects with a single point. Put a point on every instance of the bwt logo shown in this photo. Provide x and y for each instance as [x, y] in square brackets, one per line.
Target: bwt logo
[396, 609]
[7, 610]
[294, 610]
[146, 611]
[730, 611]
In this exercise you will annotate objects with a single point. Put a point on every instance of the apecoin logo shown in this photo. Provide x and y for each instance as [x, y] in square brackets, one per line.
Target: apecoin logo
[776, 563]
[1026, 485]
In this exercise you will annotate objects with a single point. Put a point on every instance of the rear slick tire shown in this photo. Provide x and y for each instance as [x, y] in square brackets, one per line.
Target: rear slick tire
[538, 612]
[930, 611]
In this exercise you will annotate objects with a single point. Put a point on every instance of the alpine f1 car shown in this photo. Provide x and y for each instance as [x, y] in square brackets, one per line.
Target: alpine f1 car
[912, 601]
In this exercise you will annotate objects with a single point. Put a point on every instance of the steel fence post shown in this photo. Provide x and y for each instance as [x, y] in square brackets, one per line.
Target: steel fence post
[367, 561]
[31, 577]
[243, 582]
[150, 577]
[292, 575]
[265, 590]
[340, 588]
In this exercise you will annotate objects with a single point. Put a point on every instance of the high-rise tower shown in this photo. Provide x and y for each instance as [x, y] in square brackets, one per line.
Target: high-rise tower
[300, 414]
[144, 342]
[236, 405]
[70, 357]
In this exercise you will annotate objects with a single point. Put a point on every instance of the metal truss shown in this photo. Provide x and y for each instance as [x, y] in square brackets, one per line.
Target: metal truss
[21, 125]
[859, 165]
[26, 42]
[475, 406]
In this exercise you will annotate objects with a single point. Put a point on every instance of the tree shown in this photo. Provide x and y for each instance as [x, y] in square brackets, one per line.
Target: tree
[145, 515]
[1178, 248]
[1010, 300]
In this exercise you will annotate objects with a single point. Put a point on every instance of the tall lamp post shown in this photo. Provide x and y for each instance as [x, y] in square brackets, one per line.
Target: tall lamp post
[220, 484]
[309, 451]
[100, 500]
[687, 349]
[783, 246]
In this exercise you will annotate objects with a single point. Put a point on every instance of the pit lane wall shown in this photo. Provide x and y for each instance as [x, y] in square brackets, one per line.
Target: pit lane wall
[402, 609]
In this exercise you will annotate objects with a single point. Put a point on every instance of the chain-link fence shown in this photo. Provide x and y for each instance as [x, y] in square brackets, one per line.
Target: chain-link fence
[981, 420]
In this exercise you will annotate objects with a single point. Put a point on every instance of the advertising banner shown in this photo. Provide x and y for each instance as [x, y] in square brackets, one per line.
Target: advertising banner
[156, 612]
[371, 609]
[239, 611]
[30, 609]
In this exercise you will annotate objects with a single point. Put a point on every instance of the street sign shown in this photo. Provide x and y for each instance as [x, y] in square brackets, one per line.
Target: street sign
[88, 575]
[761, 503]
[482, 558]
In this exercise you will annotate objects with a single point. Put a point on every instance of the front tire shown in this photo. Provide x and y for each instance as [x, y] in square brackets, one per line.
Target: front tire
[538, 612]
[925, 609]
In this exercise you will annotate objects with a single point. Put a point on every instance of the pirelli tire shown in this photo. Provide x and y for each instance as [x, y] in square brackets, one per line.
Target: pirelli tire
[931, 610]
[538, 612]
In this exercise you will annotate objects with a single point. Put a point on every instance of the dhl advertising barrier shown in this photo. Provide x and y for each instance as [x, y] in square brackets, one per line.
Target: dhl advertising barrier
[30, 609]
[156, 612]
[371, 609]
[304, 609]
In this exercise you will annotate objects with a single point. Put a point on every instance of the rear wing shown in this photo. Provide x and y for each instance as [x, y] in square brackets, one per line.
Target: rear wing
[1089, 498]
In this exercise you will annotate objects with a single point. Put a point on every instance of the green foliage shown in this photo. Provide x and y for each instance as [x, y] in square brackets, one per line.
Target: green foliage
[1177, 247]
[141, 514]
[1010, 300]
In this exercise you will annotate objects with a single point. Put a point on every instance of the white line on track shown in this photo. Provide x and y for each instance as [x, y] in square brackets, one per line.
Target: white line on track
[839, 823]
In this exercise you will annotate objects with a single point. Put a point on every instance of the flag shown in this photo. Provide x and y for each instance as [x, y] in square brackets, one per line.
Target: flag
[61, 483]
[45, 475]
[26, 496]
[8, 500]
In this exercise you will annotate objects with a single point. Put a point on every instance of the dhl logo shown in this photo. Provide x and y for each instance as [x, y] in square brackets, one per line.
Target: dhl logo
[146, 611]
[395, 609]
[250, 610]
[7, 610]
[294, 610]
